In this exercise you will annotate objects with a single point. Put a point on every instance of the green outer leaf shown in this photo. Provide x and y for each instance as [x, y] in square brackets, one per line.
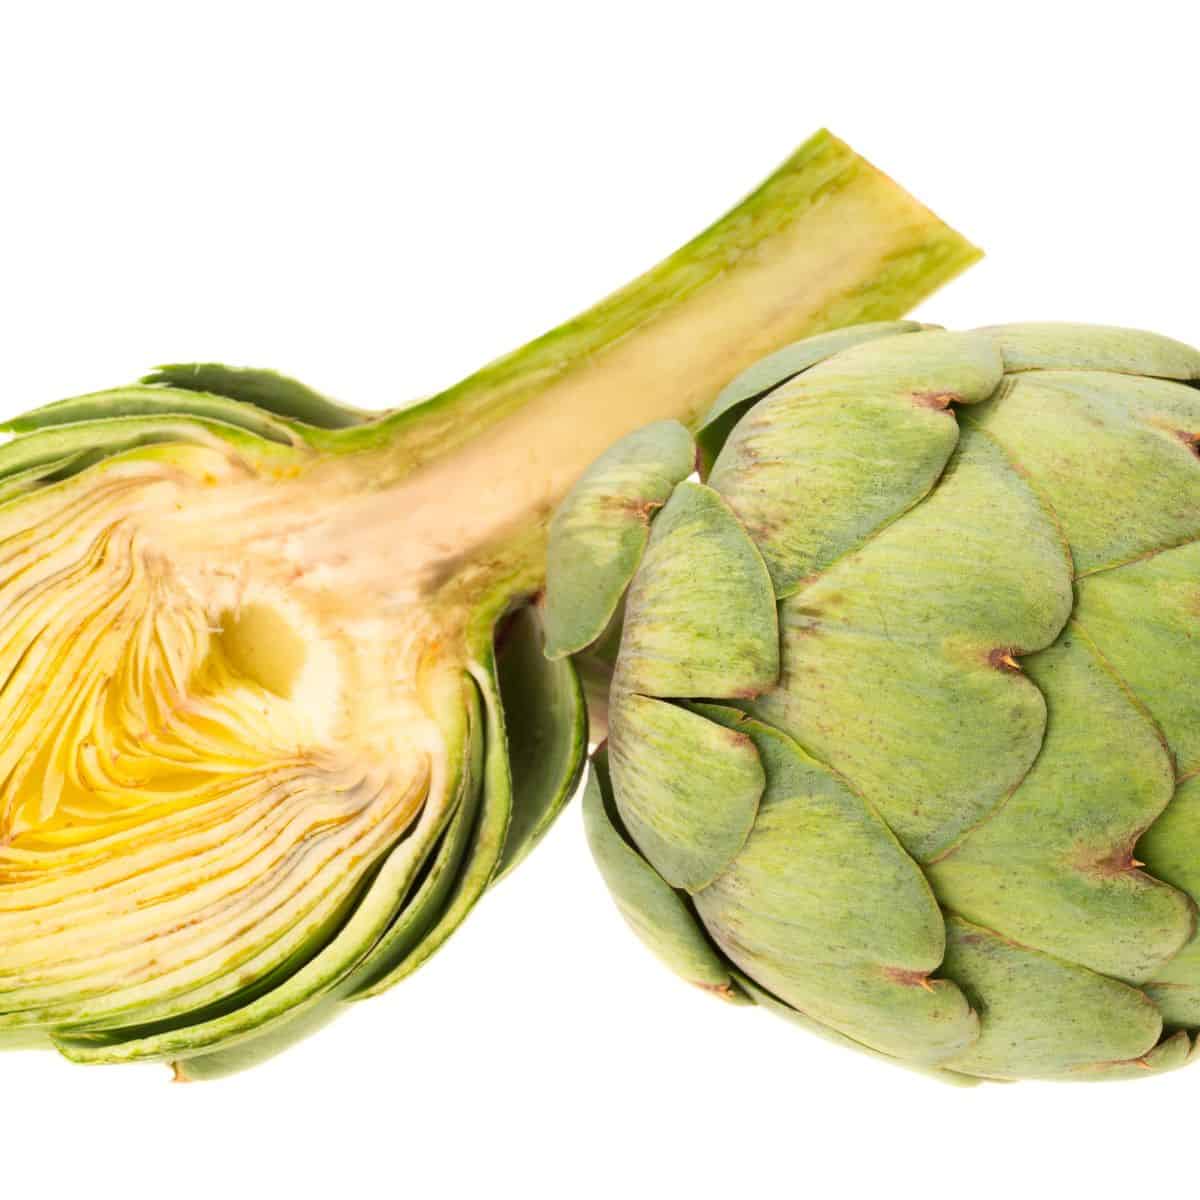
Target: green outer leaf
[654, 911]
[1044, 1018]
[1051, 345]
[600, 531]
[142, 401]
[1170, 849]
[824, 462]
[257, 1050]
[1108, 453]
[824, 909]
[774, 1005]
[267, 390]
[687, 788]
[1143, 619]
[546, 722]
[1052, 868]
[700, 617]
[1169, 1055]
[769, 372]
[85, 443]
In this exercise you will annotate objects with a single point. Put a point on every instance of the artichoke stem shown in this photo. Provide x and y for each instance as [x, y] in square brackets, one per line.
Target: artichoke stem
[828, 240]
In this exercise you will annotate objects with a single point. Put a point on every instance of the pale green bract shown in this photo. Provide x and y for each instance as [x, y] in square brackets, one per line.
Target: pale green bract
[904, 734]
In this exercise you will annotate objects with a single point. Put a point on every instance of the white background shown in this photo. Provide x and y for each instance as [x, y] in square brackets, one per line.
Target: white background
[377, 198]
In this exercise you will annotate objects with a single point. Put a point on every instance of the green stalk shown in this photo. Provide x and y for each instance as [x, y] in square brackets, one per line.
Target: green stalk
[828, 240]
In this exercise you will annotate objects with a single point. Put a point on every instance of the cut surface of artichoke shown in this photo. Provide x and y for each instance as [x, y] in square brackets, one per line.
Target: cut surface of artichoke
[954, 821]
[211, 738]
[217, 732]
[275, 706]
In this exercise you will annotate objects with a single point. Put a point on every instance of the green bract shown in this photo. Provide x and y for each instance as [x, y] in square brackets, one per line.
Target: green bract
[274, 701]
[904, 737]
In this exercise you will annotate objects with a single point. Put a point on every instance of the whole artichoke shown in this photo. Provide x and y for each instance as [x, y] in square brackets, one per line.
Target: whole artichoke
[904, 726]
[274, 705]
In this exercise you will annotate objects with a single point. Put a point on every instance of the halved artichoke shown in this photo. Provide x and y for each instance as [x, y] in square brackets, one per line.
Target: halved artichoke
[274, 701]
[904, 737]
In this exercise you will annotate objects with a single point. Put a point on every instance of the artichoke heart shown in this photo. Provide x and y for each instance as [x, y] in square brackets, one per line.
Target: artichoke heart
[274, 702]
[904, 738]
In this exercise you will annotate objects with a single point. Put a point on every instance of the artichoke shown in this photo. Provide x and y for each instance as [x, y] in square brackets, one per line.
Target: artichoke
[275, 706]
[903, 724]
